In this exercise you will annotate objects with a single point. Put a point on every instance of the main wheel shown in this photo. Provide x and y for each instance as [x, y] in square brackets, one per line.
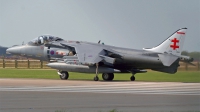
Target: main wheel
[108, 76]
[96, 78]
[64, 76]
[132, 78]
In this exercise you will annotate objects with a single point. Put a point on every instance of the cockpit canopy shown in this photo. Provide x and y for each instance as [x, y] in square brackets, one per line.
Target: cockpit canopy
[44, 39]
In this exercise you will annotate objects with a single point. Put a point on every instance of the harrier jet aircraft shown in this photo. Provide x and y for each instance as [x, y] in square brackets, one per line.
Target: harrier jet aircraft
[79, 56]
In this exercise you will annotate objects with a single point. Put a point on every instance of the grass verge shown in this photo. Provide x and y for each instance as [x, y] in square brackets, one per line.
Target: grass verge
[151, 76]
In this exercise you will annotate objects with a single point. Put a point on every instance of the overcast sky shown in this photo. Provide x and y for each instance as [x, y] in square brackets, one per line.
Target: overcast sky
[133, 24]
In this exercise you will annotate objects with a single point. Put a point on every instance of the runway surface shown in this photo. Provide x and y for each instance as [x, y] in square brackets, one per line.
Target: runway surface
[31, 95]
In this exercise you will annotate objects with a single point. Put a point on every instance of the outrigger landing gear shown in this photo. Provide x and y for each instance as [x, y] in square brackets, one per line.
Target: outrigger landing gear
[132, 78]
[96, 78]
[64, 75]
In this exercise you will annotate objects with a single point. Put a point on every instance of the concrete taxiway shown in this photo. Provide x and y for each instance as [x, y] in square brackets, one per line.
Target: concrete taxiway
[36, 95]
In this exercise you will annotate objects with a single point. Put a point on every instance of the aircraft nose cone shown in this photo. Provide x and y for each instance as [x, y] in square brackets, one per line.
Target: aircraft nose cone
[14, 50]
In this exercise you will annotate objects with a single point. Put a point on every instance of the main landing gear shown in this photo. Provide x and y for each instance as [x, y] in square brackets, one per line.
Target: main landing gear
[108, 76]
[96, 78]
[105, 77]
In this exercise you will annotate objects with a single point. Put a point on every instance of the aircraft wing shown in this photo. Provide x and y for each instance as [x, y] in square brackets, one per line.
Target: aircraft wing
[87, 53]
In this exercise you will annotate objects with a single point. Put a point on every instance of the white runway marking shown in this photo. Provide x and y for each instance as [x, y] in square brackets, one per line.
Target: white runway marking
[129, 88]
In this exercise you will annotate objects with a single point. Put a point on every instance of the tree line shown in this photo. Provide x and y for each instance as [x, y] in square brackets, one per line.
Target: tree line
[195, 55]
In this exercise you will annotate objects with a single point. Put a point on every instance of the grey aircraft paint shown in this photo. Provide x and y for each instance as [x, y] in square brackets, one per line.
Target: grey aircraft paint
[79, 56]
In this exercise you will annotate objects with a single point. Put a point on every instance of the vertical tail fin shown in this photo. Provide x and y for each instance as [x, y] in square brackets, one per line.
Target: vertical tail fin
[172, 45]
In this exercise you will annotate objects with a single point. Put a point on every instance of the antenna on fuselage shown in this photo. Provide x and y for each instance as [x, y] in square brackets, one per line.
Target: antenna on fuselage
[99, 41]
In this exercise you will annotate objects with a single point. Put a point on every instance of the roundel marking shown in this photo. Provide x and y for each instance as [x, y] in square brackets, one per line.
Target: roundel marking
[52, 52]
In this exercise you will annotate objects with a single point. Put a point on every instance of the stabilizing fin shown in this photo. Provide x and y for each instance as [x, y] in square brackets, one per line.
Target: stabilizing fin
[172, 45]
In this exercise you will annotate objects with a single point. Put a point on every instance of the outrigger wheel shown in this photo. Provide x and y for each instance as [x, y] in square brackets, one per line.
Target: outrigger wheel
[64, 76]
[132, 78]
